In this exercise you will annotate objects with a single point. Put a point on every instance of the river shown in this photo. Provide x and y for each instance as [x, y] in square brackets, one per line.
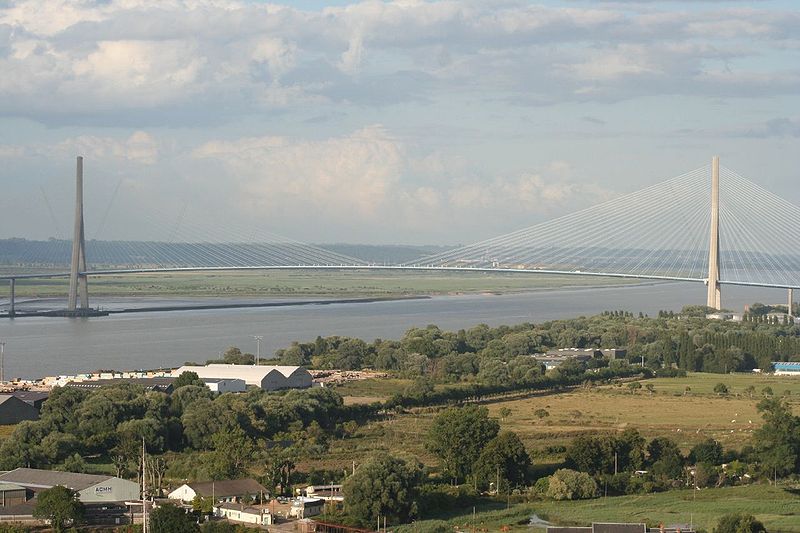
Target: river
[37, 347]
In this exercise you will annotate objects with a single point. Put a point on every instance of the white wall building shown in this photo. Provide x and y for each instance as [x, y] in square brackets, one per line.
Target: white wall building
[225, 384]
[267, 377]
[228, 490]
[239, 513]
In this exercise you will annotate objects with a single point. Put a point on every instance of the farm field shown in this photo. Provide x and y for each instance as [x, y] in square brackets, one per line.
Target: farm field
[686, 418]
[309, 283]
[778, 508]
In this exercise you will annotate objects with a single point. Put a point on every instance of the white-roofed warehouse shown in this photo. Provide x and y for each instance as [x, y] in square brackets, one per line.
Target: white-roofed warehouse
[267, 377]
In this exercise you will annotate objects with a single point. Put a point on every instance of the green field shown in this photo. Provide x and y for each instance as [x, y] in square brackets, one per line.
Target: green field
[310, 283]
[778, 508]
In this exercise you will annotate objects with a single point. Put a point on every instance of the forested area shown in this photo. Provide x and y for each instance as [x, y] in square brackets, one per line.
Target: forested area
[492, 355]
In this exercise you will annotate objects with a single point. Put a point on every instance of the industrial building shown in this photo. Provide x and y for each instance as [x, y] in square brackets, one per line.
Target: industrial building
[13, 410]
[269, 378]
[786, 368]
[162, 384]
[32, 397]
[11, 495]
[554, 358]
[90, 488]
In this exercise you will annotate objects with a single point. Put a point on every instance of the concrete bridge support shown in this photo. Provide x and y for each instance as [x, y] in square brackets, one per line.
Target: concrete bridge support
[12, 311]
[77, 281]
[714, 293]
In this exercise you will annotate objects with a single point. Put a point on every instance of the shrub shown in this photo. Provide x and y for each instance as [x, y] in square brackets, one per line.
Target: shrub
[568, 484]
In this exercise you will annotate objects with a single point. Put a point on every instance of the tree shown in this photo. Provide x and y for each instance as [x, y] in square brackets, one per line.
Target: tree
[187, 378]
[60, 506]
[167, 518]
[233, 450]
[721, 388]
[778, 439]
[709, 451]
[568, 484]
[504, 457]
[739, 523]
[383, 486]
[457, 437]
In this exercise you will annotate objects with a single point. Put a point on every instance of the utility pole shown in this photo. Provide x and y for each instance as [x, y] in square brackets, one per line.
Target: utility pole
[2, 361]
[714, 299]
[144, 489]
[258, 339]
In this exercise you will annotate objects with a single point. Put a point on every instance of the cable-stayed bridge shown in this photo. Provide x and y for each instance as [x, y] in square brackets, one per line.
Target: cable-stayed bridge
[710, 225]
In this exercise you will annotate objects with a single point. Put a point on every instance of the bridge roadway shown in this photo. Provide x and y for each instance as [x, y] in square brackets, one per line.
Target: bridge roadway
[113, 272]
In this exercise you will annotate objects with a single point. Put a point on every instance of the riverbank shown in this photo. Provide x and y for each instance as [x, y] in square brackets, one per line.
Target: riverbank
[99, 311]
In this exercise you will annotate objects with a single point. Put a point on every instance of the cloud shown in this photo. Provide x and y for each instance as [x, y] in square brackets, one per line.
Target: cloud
[777, 127]
[139, 147]
[348, 177]
[181, 58]
[369, 181]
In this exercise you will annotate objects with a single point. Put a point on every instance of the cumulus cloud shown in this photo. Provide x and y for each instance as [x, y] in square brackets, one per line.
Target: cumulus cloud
[348, 176]
[369, 180]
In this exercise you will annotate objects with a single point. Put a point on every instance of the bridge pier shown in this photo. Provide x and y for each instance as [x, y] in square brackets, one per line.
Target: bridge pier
[78, 283]
[12, 311]
[714, 299]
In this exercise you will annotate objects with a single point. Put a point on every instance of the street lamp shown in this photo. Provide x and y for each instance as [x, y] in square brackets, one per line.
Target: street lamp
[258, 339]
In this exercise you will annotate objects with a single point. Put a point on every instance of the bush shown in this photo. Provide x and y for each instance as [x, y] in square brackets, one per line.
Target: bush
[568, 484]
[739, 523]
[670, 373]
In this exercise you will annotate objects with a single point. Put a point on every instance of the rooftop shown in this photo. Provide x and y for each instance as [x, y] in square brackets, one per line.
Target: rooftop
[228, 487]
[30, 395]
[45, 479]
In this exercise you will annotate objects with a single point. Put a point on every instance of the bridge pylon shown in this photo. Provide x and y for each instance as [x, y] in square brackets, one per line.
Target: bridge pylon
[714, 293]
[78, 283]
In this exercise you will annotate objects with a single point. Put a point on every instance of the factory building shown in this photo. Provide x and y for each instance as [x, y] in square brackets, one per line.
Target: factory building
[269, 378]
[13, 410]
[90, 488]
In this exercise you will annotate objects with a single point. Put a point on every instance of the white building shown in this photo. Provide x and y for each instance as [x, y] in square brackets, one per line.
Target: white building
[267, 377]
[240, 513]
[90, 488]
[225, 385]
[229, 490]
[304, 507]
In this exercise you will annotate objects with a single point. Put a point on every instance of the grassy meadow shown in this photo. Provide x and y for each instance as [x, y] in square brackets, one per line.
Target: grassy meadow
[344, 283]
[777, 507]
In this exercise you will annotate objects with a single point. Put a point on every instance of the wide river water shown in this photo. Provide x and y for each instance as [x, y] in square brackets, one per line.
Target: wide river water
[37, 347]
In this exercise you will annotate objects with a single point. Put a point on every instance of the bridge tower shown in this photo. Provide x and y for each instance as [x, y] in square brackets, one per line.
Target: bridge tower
[78, 283]
[714, 292]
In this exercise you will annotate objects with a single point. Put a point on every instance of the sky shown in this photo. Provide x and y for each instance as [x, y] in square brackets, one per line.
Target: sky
[408, 121]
